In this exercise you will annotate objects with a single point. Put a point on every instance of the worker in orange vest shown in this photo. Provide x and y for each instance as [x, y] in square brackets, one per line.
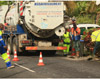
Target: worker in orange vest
[75, 31]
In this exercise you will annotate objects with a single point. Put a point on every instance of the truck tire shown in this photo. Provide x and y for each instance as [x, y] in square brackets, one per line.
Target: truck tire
[6, 41]
[9, 46]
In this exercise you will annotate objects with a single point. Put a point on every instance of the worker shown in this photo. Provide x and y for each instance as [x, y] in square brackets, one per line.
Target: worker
[75, 31]
[67, 39]
[2, 49]
[95, 37]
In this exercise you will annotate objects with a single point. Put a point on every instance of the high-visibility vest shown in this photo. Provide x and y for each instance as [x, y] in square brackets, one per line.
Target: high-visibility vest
[77, 37]
[77, 29]
[96, 36]
[66, 37]
[0, 32]
[1, 40]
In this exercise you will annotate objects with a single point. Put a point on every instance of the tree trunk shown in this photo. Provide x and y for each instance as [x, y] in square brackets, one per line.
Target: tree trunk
[97, 17]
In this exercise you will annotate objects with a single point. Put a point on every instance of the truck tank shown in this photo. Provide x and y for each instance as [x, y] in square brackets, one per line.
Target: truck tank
[43, 19]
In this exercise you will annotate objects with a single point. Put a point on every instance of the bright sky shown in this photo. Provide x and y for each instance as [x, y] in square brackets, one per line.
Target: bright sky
[97, 2]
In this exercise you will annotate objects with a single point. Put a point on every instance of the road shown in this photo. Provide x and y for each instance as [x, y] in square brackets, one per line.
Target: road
[55, 67]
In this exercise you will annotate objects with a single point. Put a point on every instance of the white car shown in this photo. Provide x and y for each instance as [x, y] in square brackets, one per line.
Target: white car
[87, 26]
[84, 27]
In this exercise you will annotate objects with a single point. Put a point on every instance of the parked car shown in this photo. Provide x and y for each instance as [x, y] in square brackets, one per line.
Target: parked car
[86, 26]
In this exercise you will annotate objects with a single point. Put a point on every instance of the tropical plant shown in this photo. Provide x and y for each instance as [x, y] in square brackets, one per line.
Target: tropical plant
[70, 7]
[6, 2]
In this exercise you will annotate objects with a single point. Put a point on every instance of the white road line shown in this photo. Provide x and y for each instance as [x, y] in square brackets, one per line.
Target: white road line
[24, 67]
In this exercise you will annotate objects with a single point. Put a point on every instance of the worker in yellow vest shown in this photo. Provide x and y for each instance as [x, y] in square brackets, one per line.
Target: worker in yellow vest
[95, 37]
[66, 41]
[3, 51]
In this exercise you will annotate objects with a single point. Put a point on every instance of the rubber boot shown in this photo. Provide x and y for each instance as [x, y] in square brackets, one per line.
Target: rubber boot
[9, 66]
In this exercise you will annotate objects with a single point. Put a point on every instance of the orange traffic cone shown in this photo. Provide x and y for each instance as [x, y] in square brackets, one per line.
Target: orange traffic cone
[8, 53]
[40, 60]
[15, 56]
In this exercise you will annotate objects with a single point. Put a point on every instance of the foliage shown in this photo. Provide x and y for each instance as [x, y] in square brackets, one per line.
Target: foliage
[99, 22]
[70, 7]
[6, 2]
[84, 11]
[86, 19]
[81, 7]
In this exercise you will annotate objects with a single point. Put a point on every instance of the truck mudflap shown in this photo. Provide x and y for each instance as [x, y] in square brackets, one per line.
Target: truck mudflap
[45, 48]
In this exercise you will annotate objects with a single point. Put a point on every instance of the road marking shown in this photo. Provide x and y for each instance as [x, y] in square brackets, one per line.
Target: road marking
[24, 67]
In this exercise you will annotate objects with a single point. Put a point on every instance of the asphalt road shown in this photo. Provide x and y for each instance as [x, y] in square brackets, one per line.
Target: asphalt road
[55, 67]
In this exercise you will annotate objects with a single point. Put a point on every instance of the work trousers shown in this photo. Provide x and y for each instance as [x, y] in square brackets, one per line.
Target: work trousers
[68, 47]
[4, 56]
[97, 45]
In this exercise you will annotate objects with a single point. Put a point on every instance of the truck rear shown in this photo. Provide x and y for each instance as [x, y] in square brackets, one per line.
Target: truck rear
[39, 28]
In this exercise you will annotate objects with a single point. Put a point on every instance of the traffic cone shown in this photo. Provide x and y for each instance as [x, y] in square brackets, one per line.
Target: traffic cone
[15, 56]
[8, 53]
[40, 60]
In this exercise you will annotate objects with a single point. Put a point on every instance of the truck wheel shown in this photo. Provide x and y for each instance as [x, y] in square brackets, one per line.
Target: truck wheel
[9, 46]
[6, 41]
[15, 45]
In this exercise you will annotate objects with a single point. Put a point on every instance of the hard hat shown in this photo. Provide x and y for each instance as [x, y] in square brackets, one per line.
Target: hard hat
[73, 20]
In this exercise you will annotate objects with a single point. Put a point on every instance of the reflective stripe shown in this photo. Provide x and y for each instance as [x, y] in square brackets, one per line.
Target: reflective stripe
[93, 37]
[97, 35]
[7, 60]
[1, 39]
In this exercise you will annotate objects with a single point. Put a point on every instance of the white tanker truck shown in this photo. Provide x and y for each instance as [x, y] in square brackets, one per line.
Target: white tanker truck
[39, 28]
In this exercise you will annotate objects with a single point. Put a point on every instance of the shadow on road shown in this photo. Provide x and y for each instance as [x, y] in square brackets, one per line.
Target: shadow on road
[37, 53]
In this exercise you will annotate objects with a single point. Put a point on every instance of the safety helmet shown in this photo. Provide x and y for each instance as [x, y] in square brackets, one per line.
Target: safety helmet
[73, 20]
